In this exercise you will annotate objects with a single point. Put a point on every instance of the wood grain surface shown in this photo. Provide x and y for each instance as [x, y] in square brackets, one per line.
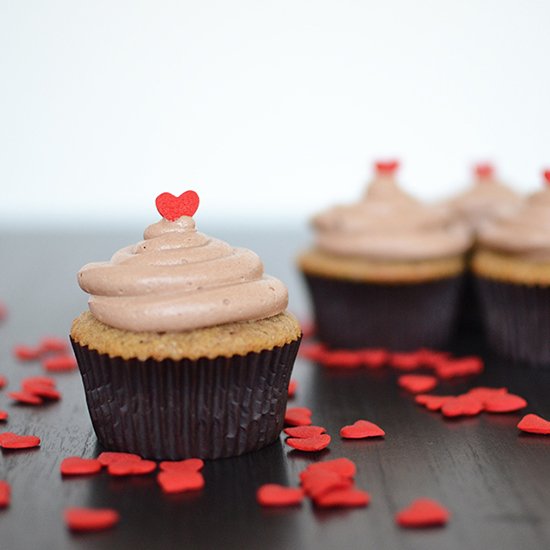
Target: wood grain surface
[495, 482]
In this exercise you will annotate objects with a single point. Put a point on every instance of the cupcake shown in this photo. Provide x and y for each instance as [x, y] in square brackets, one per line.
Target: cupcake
[187, 348]
[512, 270]
[386, 271]
[487, 198]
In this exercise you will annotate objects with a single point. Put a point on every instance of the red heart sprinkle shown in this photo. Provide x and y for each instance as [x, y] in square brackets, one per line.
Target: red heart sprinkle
[26, 353]
[362, 429]
[417, 383]
[386, 167]
[423, 512]
[308, 329]
[313, 352]
[432, 402]
[320, 482]
[109, 457]
[461, 405]
[406, 361]
[5, 494]
[53, 344]
[25, 398]
[59, 363]
[292, 387]
[90, 519]
[309, 445]
[546, 176]
[298, 416]
[343, 498]
[180, 482]
[3, 415]
[9, 440]
[374, 358]
[3, 381]
[465, 366]
[342, 358]
[188, 465]
[305, 432]
[534, 424]
[131, 467]
[3, 312]
[343, 466]
[40, 381]
[39, 390]
[504, 403]
[272, 494]
[432, 358]
[76, 466]
[484, 171]
[172, 208]
[483, 393]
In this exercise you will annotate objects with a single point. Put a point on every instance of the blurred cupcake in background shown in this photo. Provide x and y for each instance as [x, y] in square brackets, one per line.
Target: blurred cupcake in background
[386, 271]
[486, 199]
[512, 269]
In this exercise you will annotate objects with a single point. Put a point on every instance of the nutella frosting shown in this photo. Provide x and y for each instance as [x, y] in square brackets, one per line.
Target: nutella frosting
[526, 234]
[390, 225]
[178, 279]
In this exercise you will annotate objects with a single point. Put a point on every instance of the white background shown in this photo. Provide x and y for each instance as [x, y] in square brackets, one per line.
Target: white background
[270, 110]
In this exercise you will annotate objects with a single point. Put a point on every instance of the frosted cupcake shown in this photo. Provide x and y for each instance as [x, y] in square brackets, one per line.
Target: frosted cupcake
[487, 198]
[512, 269]
[187, 349]
[386, 271]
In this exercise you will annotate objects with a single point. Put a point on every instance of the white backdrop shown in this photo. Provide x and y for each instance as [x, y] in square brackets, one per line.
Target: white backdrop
[271, 110]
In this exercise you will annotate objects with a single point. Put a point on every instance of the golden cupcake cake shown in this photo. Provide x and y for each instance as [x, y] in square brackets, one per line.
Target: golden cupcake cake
[187, 347]
[512, 270]
[385, 271]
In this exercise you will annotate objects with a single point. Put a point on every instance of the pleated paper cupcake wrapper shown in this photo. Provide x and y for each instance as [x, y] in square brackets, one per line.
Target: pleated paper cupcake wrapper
[207, 408]
[399, 317]
[517, 321]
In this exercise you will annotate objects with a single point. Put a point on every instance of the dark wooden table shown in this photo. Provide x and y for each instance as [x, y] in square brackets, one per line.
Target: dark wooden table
[495, 482]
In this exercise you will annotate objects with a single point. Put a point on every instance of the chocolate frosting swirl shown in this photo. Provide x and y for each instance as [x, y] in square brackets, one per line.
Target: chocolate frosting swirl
[526, 234]
[178, 279]
[390, 225]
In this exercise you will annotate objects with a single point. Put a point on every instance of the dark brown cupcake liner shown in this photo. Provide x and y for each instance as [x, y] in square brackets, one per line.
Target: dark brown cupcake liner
[517, 320]
[205, 408]
[399, 317]
[469, 320]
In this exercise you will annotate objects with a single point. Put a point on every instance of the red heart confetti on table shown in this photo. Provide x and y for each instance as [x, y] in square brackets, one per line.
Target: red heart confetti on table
[5, 494]
[417, 383]
[343, 466]
[292, 387]
[312, 351]
[59, 363]
[310, 444]
[272, 494]
[172, 208]
[109, 457]
[423, 512]
[52, 344]
[304, 432]
[181, 481]
[343, 498]
[432, 402]
[3, 381]
[432, 358]
[319, 482]
[9, 440]
[131, 467]
[361, 429]
[342, 358]
[534, 424]
[26, 353]
[504, 403]
[39, 381]
[187, 465]
[465, 366]
[406, 361]
[40, 390]
[3, 311]
[3, 415]
[25, 398]
[308, 329]
[373, 358]
[484, 393]
[461, 405]
[76, 466]
[90, 519]
[298, 416]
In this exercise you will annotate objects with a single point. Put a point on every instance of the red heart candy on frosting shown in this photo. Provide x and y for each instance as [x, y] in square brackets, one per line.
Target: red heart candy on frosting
[361, 430]
[272, 494]
[173, 208]
[546, 175]
[423, 512]
[534, 424]
[386, 167]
